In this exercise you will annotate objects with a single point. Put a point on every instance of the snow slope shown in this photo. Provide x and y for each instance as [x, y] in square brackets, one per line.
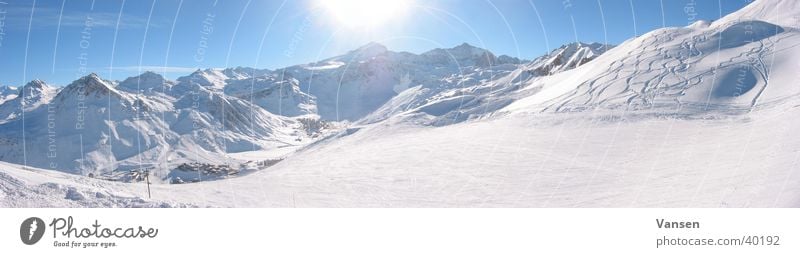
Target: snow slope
[33, 188]
[741, 62]
[566, 160]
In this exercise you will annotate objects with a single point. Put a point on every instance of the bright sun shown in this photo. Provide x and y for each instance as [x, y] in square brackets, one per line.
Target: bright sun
[365, 14]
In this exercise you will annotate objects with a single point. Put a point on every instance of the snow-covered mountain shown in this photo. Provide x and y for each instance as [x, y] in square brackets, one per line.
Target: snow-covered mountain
[212, 79]
[7, 93]
[350, 86]
[29, 97]
[147, 119]
[700, 115]
[567, 57]
[245, 72]
[279, 96]
[353, 85]
[116, 128]
[478, 90]
[464, 55]
[147, 83]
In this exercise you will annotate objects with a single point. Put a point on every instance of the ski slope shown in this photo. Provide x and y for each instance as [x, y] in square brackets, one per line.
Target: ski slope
[574, 160]
[744, 61]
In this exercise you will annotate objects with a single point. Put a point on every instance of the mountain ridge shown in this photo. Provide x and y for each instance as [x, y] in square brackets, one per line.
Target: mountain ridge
[148, 118]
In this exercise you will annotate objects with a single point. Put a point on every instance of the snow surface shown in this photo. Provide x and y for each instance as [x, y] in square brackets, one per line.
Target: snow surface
[733, 64]
[572, 160]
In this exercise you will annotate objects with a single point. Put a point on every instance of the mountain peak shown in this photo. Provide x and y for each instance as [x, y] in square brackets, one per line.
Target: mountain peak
[209, 78]
[93, 76]
[505, 59]
[592, 48]
[144, 81]
[89, 84]
[369, 50]
[567, 57]
[244, 72]
[8, 93]
[150, 74]
[33, 87]
[372, 45]
[463, 55]
[465, 45]
[35, 84]
[145, 76]
[459, 51]
[7, 89]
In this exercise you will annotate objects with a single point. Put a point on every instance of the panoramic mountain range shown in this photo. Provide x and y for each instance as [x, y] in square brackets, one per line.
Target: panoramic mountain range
[147, 119]
[700, 115]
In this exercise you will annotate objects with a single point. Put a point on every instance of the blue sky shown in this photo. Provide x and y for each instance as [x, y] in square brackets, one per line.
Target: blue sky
[55, 44]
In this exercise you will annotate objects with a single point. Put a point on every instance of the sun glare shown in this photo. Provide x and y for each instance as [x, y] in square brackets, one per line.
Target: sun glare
[365, 14]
